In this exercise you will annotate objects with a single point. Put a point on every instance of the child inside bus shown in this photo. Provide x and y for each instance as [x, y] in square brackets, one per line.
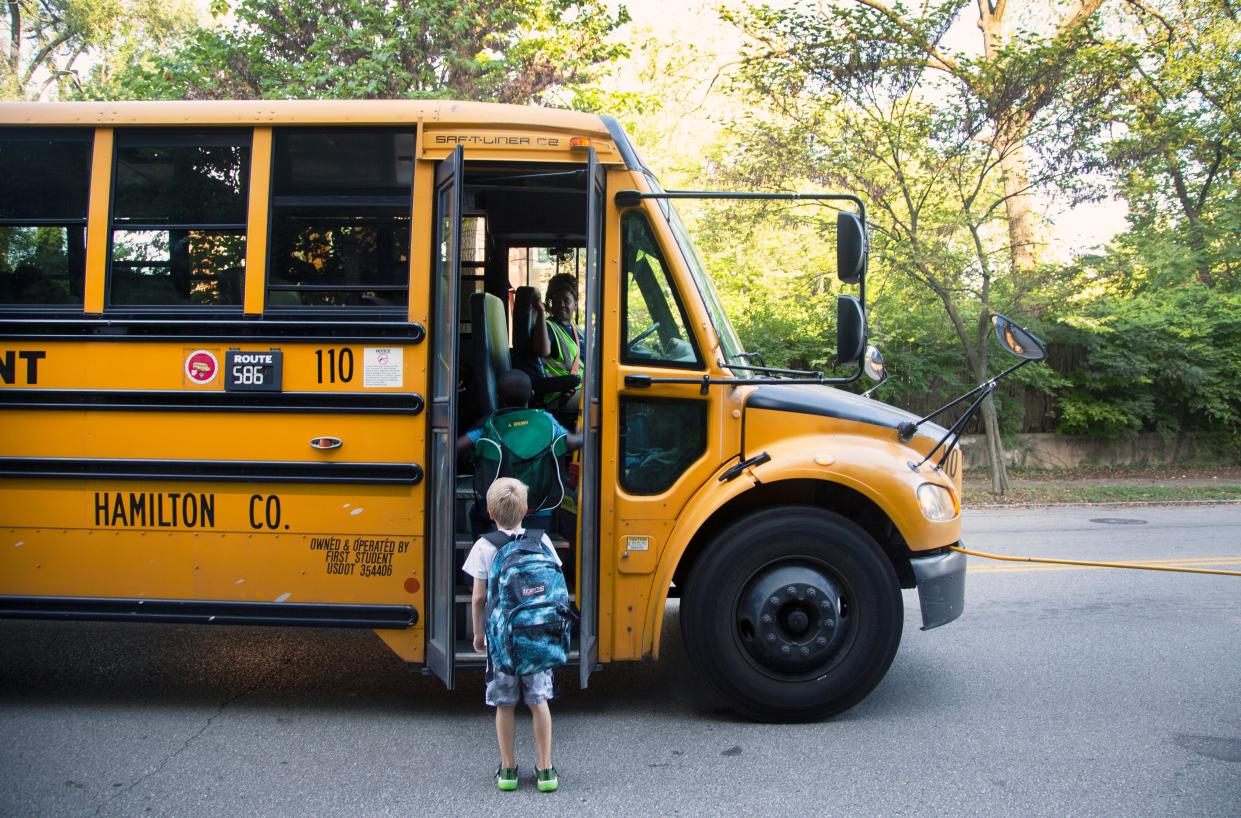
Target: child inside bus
[506, 503]
[513, 391]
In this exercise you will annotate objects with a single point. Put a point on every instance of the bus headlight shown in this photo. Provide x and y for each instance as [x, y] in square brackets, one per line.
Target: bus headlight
[937, 502]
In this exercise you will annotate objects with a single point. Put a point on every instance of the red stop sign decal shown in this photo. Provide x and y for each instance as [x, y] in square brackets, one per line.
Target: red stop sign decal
[200, 366]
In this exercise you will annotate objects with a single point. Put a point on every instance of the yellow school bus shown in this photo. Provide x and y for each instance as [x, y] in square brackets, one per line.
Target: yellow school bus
[238, 341]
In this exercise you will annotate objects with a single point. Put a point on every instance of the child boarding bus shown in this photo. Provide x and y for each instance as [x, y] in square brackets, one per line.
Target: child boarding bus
[238, 341]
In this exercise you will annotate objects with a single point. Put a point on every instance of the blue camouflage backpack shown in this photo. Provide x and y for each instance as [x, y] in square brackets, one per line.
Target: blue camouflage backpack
[529, 617]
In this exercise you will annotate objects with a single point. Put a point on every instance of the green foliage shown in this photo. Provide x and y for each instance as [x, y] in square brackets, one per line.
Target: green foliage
[62, 42]
[1177, 159]
[516, 51]
[1163, 360]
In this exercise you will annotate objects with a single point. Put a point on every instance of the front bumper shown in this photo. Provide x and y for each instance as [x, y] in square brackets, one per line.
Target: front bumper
[941, 587]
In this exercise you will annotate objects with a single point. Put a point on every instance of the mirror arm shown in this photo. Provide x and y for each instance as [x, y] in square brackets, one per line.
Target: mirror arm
[958, 427]
[706, 381]
[631, 198]
[882, 381]
[907, 429]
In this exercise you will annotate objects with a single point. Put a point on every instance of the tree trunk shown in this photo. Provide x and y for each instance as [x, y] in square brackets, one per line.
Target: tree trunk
[1023, 229]
[995, 449]
[1023, 234]
[1014, 157]
[15, 37]
[990, 419]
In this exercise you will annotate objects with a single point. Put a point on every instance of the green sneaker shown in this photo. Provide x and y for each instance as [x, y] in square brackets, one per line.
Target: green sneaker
[547, 780]
[506, 779]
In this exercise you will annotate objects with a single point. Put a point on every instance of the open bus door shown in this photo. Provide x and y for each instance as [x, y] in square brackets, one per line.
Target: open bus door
[441, 487]
[588, 486]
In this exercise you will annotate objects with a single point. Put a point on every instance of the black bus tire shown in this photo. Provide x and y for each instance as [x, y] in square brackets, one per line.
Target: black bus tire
[792, 614]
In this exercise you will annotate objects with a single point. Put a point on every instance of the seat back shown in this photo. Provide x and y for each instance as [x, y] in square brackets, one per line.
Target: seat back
[490, 358]
[524, 321]
[523, 316]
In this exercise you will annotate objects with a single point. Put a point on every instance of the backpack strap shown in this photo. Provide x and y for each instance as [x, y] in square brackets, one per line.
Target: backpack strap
[497, 538]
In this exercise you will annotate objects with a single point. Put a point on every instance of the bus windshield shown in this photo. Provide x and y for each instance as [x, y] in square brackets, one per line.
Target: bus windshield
[730, 344]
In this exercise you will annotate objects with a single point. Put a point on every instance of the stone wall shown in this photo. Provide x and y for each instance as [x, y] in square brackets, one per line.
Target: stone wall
[1049, 451]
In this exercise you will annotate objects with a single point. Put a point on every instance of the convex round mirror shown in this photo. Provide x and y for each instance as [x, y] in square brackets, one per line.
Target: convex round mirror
[1016, 340]
[875, 368]
[873, 364]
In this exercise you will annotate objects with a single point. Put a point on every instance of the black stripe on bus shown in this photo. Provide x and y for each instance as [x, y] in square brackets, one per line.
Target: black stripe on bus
[392, 403]
[209, 612]
[211, 471]
[202, 327]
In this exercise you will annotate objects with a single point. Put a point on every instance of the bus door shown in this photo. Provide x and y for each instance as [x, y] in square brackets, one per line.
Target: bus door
[588, 488]
[441, 485]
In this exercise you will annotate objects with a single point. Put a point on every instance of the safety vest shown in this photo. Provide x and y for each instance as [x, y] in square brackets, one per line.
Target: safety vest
[566, 357]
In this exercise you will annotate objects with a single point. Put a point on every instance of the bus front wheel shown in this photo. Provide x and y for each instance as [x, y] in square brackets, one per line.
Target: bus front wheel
[792, 614]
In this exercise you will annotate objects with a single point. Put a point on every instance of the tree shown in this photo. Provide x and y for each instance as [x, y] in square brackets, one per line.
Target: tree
[52, 45]
[864, 97]
[871, 36]
[516, 51]
[1013, 126]
[1179, 151]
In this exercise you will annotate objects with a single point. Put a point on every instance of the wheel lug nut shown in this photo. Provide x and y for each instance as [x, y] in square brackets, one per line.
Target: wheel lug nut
[805, 651]
[821, 641]
[775, 600]
[825, 604]
[785, 650]
[791, 591]
[766, 620]
[811, 592]
[771, 637]
[829, 623]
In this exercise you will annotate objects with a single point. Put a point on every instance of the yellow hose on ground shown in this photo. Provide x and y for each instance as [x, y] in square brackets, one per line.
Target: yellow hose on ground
[1132, 565]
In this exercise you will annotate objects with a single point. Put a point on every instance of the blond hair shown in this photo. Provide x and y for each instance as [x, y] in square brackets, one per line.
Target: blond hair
[507, 502]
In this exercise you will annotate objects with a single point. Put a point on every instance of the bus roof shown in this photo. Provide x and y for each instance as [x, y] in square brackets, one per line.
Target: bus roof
[297, 112]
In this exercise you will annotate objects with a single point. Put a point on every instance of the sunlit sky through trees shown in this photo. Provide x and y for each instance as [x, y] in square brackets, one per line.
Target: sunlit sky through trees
[1072, 230]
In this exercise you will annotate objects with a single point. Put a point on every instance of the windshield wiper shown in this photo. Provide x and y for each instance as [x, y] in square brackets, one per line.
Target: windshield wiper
[762, 367]
[800, 373]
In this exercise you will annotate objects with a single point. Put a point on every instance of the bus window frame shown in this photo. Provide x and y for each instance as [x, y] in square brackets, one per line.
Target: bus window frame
[329, 312]
[699, 362]
[87, 135]
[178, 138]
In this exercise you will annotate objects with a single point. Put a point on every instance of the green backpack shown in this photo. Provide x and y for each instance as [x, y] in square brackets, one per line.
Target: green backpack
[521, 443]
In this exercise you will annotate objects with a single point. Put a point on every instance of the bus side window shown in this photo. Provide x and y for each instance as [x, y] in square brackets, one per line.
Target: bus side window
[341, 208]
[652, 320]
[179, 218]
[660, 438]
[44, 193]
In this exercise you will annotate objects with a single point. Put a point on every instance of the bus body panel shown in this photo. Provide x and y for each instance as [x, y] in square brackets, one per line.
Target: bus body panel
[863, 457]
[211, 541]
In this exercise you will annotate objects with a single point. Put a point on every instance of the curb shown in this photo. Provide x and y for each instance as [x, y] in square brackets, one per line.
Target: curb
[1112, 504]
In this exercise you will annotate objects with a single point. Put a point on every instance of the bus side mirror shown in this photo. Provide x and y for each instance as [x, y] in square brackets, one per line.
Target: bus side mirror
[851, 249]
[873, 365]
[1016, 340]
[850, 330]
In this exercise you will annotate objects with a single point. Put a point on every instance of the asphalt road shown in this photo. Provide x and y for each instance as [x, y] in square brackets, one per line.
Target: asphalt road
[1062, 691]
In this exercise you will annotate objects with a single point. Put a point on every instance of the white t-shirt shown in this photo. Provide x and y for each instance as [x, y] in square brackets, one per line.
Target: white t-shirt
[478, 563]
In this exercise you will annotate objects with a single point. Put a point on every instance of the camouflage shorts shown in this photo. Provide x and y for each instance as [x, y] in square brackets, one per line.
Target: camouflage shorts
[504, 690]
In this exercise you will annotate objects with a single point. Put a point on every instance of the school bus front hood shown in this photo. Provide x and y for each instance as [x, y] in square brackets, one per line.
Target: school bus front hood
[809, 399]
[819, 433]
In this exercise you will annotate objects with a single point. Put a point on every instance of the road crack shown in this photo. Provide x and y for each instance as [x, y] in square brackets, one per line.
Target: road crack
[159, 768]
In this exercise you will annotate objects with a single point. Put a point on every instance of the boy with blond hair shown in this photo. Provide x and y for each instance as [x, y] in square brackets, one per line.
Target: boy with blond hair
[507, 503]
